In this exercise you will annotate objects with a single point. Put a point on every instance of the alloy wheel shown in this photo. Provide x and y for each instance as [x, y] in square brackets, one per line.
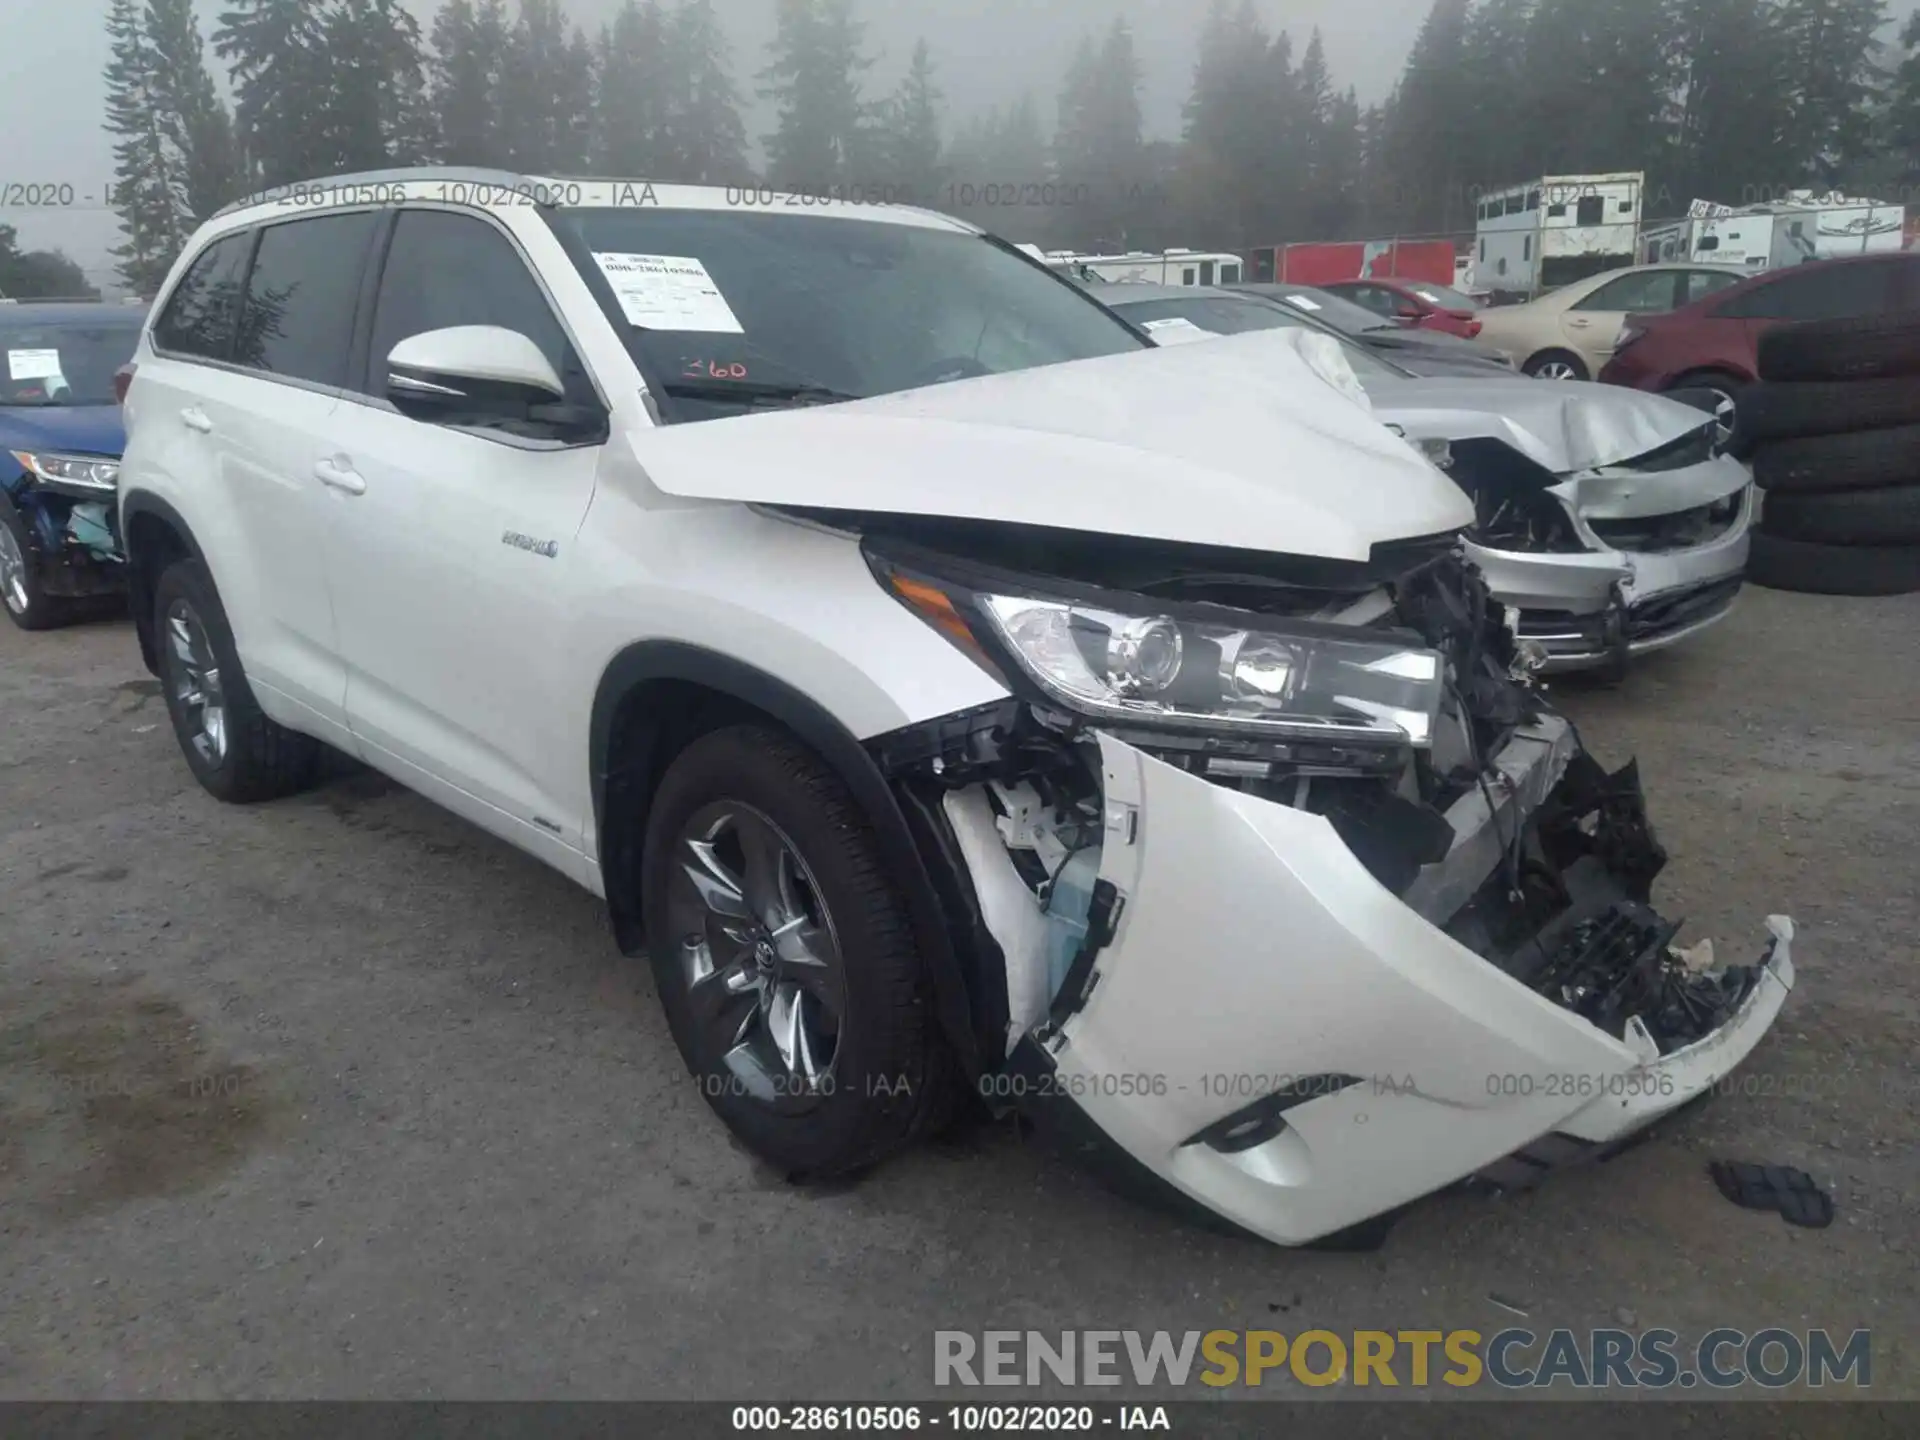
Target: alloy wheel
[758, 955]
[196, 682]
[1556, 370]
[13, 573]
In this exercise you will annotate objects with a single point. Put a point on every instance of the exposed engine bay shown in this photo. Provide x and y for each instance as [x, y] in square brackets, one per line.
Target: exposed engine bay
[1502, 831]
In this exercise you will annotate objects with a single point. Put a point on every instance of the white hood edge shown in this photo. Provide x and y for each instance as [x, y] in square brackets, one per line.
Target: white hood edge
[1237, 444]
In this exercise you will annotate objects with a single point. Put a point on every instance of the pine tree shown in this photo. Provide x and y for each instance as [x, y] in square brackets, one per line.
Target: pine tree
[193, 118]
[1602, 73]
[814, 81]
[147, 185]
[704, 140]
[1427, 169]
[1903, 101]
[1503, 92]
[912, 164]
[1238, 132]
[376, 114]
[1830, 78]
[1098, 147]
[546, 94]
[465, 75]
[283, 83]
[632, 91]
[1733, 104]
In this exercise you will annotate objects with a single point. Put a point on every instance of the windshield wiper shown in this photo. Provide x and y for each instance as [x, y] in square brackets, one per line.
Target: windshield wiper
[754, 392]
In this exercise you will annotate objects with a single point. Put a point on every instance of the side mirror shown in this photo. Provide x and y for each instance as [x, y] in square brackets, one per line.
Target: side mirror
[469, 370]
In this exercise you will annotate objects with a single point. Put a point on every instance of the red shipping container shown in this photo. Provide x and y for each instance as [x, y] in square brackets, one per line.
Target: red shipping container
[1322, 264]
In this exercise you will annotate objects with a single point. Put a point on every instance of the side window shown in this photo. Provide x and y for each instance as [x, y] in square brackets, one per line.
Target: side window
[1698, 284]
[444, 270]
[1526, 247]
[301, 293]
[1589, 210]
[1829, 293]
[198, 319]
[1483, 247]
[1644, 294]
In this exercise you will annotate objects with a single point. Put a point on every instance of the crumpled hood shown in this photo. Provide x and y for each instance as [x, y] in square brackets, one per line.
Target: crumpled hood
[1565, 425]
[85, 429]
[1237, 443]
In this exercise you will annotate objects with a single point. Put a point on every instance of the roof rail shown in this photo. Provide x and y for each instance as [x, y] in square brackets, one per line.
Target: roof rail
[470, 174]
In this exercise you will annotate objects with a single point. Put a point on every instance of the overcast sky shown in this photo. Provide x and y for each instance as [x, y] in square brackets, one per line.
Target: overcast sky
[987, 52]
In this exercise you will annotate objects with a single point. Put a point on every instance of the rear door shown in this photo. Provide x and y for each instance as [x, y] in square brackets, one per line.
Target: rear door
[450, 558]
[1592, 324]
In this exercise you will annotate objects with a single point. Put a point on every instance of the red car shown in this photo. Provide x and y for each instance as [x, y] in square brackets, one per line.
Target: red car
[1712, 344]
[1418, 304]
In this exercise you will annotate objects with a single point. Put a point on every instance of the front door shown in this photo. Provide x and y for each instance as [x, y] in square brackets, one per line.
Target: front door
[453, 549]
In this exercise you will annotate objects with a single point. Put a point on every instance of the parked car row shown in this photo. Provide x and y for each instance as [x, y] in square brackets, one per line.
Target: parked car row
[949, 688]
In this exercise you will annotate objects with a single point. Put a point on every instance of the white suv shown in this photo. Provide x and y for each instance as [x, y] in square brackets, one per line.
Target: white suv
[944, 687]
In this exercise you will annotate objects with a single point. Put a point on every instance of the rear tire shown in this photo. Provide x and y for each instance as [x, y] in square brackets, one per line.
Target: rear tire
[21, 595]
[875, 1075]
[236, 753]
[1780, 563]
[1863, 461]
[1887, 516]
[1861, 347]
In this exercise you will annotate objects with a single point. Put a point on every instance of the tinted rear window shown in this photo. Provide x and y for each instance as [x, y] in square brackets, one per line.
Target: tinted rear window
[298, 320]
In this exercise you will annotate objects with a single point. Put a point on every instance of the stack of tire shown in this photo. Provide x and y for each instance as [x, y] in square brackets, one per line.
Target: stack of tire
[1833, 432]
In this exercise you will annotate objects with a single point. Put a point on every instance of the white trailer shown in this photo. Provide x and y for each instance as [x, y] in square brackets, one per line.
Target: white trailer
[1560, 228]
[1850, 225]
[1174, 267]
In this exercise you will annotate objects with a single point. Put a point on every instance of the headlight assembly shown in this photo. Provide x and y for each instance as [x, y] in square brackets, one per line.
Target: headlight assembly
[86, 472]
[1232, 674]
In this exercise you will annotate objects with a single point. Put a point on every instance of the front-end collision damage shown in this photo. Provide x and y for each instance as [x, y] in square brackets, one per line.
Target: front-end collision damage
[1609, 561]
[1297, 987]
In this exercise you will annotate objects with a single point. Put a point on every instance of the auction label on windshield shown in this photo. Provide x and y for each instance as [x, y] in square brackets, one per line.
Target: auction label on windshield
[668, 292]
[32, 364]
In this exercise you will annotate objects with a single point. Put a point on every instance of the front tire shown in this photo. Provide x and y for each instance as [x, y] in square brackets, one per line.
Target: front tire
[236, 753]
[21, 595]
[785, 957]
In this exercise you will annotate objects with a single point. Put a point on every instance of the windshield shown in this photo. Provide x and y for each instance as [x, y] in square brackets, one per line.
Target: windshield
[1225, 315]
[1333, 310]
[65, 364]
[1445, 298]
[733, 310]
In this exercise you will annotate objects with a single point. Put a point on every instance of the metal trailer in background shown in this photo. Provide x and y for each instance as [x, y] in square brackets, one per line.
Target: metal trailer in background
[1552, 231]
[1328, 262]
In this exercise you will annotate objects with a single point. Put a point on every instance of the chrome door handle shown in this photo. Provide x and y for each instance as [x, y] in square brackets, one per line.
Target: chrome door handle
[339, 477]
[195, 418]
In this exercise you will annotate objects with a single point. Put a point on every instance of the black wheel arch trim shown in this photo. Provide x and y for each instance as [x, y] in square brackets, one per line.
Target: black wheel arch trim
[133, 504]
[965, 1001]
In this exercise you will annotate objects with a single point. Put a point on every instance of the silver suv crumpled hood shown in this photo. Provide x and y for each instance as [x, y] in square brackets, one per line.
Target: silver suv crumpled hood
[1236, 444]
[1565, 425]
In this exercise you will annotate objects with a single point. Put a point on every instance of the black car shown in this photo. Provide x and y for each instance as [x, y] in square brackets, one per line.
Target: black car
[1424, 352]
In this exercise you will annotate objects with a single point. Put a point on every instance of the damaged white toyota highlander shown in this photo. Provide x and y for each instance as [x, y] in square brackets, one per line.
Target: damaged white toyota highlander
[947, 690]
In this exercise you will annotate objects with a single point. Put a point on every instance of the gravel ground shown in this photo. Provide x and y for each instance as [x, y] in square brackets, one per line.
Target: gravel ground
[340, 1097]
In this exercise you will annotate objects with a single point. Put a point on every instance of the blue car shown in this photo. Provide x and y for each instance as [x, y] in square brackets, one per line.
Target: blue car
[60, 444]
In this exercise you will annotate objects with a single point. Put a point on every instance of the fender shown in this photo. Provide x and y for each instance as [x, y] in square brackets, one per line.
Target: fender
[631, 788]
[142, 571]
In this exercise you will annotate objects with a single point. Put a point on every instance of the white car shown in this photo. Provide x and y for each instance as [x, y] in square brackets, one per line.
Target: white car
[1039, 722]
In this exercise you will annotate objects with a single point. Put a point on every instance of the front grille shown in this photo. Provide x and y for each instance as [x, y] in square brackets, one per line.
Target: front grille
[1681, 530]
[1665, 613]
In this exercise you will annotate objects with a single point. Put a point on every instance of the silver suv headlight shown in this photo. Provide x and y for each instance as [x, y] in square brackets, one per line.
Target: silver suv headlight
[1120, 658]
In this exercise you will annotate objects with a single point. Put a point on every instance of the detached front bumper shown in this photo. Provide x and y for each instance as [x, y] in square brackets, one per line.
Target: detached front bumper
[1607, 604]
[1256, 968]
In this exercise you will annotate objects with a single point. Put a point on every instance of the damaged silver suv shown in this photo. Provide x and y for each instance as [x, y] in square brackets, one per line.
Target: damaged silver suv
[946, 689]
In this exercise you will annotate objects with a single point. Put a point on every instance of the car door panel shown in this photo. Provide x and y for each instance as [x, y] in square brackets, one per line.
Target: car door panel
[450, 570]
[451, 549]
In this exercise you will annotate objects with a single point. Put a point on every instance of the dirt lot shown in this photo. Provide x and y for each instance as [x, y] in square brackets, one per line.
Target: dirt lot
[339, 1097]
